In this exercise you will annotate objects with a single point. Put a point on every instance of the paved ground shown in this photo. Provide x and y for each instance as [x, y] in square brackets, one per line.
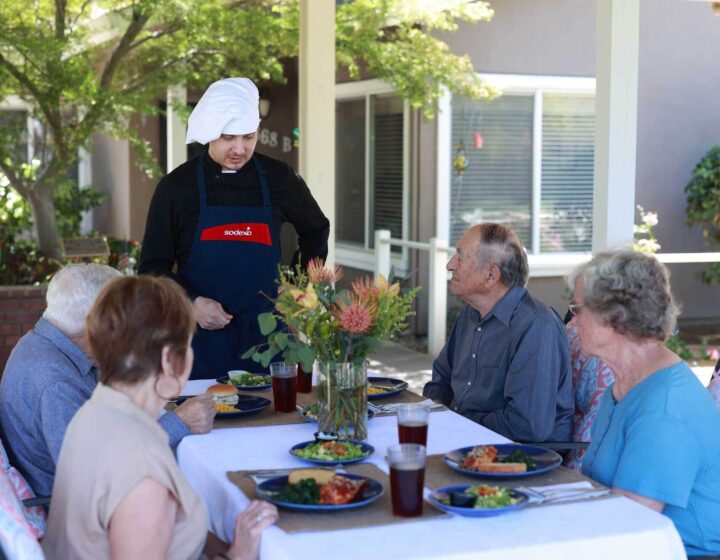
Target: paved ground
[393, 360]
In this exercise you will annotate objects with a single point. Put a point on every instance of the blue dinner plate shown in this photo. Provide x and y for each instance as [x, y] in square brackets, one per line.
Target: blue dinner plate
[268, 489]
[247, 404]
[304, 412]
[545, 460]
[435, 498]
[366, 448]
[394, 386]
[225, 379]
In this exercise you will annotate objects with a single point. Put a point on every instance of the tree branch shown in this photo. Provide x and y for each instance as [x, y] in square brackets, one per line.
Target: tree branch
[15, 181]
[60, 7]
[32, 88]
[153, 36]
[137, 23]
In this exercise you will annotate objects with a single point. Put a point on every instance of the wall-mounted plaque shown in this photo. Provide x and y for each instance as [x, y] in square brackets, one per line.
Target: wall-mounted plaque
[85, 247]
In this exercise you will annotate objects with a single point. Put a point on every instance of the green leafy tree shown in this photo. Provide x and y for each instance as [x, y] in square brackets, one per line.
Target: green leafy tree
[703, 205]
[88, 66]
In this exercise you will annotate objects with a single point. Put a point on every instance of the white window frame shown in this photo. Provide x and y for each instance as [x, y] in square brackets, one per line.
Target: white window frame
[509, 84]
[362, 257]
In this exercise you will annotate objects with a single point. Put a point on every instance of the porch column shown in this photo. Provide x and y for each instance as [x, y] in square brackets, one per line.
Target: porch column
[317, 105]
[175, 129]
[618, 27]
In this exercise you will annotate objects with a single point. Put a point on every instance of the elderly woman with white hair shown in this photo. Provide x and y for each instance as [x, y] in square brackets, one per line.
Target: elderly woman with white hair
[655, 437]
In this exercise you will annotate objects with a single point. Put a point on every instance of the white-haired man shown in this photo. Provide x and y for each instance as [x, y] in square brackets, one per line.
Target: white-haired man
[50, 374]
[214, 226]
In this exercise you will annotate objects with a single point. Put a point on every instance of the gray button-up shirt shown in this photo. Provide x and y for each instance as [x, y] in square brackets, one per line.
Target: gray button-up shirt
[509, 370]
[46, 380]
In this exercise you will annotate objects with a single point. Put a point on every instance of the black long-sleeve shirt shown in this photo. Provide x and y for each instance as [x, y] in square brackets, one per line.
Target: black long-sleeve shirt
[175, 209]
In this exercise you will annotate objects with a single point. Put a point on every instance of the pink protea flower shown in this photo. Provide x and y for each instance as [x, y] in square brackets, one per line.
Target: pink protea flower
[365, 289]
[355, 318]
[318, 274]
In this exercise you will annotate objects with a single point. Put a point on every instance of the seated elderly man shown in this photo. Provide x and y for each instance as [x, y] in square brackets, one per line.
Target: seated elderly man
[506, 364]
[50, 374]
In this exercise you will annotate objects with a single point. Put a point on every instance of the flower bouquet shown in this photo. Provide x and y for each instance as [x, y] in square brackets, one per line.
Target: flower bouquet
[312, 322]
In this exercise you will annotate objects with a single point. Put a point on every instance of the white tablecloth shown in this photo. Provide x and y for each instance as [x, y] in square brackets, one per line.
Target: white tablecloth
[614, 528]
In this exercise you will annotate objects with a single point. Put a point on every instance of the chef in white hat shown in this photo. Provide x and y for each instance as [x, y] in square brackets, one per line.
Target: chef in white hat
[214, 226]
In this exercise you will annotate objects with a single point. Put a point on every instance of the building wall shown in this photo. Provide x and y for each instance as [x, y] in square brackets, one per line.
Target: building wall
[678, 122]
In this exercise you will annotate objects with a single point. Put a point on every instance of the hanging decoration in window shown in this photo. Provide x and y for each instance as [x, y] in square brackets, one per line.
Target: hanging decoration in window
[460, 160]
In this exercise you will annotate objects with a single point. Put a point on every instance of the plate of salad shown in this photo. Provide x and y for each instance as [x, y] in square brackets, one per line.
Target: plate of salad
[343, 451]
[478, 500]
[246, 381]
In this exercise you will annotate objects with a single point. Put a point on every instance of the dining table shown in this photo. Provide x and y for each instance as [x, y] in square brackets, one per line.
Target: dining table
[612, 526]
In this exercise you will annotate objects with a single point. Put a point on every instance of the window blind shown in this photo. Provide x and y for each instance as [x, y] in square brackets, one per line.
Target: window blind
[496, 185]
[568, 133]
[386, 189]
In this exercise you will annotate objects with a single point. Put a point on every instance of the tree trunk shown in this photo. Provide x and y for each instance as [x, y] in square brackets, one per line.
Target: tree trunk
[45, 222]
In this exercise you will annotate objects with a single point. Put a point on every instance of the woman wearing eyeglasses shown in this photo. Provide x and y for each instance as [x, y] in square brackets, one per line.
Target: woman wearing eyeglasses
[654, 438]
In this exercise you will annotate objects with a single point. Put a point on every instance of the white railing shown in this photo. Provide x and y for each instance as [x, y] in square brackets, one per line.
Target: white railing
[439, 250]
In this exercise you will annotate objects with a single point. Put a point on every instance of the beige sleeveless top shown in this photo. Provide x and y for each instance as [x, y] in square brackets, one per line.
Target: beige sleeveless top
[110, 445]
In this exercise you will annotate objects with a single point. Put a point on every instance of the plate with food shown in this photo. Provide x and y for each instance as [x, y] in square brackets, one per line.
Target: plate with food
[246, 381]
[344, 451]
[310, 413]
[381, 387]
[479, 500]
[319, 490]
[508, 460]
[229, 403]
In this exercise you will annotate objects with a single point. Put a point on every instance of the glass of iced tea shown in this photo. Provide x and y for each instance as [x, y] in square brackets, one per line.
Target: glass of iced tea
[407, 478]
[284, 386]
[304, 380]
[413, 422]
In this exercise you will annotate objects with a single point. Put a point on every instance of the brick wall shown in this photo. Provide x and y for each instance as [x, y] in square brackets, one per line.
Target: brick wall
[20, 308]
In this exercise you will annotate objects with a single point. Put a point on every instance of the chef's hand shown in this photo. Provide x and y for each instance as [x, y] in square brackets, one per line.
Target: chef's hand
[249, 526]
[210, 314]
[197, 414]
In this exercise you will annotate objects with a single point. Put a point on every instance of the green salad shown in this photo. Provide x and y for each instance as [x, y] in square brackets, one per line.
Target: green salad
[491, 497]
[518, 457]
[248, 380]
[331, 451]
[306, 491]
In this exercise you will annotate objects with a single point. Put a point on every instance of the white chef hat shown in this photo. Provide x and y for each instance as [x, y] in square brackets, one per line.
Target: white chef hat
[228, 106]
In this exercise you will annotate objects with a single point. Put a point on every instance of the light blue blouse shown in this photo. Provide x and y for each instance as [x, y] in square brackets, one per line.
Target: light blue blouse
[662, 441]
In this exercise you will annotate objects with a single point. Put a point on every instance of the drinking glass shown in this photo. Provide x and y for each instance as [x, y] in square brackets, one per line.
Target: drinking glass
[304, 380]
[413, 422]
[284, 386]
[407, 478]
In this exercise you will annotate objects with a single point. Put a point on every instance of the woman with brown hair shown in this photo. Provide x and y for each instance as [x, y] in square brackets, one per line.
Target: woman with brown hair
[118, 491]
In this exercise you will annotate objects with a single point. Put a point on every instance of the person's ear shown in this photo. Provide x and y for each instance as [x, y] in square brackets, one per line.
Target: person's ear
[493, 275]
[166, 363]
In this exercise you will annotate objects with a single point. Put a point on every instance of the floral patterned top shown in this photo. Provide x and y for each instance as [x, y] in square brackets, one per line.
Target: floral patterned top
[714, 385]
[590, 378]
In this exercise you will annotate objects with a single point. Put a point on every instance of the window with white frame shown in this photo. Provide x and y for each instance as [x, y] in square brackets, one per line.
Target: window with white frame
[371, 170]
[525, 159]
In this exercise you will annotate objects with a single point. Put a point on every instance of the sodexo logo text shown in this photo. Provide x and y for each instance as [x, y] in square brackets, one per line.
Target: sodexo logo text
[247, 231]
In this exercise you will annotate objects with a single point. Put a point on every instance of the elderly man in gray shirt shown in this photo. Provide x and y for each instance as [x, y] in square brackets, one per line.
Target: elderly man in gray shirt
[50, 374]
[507, 362]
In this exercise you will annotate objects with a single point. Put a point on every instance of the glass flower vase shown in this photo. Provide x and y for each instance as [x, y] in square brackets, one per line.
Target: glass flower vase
[342, 398]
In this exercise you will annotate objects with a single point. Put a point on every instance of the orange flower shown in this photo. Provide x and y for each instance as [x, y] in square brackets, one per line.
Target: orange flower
[355, 316]
[318, 274]
[365, 289]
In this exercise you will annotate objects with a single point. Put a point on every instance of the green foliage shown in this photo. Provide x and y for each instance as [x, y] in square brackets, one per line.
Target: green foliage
[22, 265]
[88, 67]
[680, 347]
[703, 205]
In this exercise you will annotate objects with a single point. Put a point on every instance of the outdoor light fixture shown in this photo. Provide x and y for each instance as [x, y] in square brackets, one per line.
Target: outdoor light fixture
[264, 104]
